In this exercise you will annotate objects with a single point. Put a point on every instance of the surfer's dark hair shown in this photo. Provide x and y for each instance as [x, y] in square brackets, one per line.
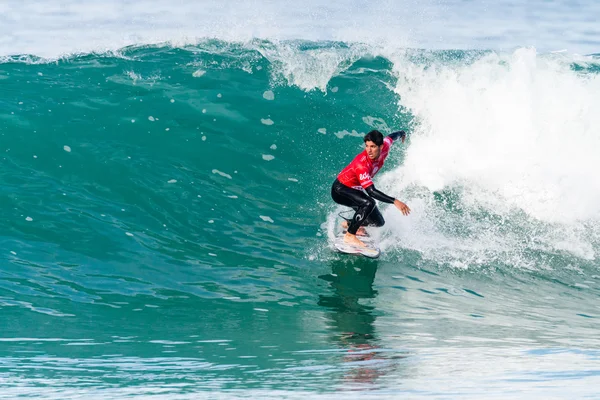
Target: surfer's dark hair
[374, 136]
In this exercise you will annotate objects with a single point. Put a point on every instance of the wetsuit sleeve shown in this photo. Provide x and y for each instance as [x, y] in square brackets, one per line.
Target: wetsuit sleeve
[377, 195]
[396, 135]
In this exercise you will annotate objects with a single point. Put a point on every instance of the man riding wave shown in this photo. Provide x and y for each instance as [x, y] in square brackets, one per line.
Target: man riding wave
[354, 186]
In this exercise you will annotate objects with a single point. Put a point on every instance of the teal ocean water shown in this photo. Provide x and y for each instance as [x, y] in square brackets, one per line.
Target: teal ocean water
[168, 226]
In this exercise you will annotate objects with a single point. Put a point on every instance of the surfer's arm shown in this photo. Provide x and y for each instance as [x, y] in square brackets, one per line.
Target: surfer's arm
[378, 195]
[398, 134]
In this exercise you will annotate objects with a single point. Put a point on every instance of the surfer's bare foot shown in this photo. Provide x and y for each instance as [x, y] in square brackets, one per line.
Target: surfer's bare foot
[353, 240]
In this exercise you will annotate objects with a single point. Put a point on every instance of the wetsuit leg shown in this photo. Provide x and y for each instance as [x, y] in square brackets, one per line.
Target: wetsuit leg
[375, 218]
[364, 206]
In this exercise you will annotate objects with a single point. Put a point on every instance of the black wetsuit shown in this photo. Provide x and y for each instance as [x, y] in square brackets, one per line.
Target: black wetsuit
[366, 212]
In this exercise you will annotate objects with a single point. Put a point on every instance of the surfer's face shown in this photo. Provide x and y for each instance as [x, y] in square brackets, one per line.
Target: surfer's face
[372, 150]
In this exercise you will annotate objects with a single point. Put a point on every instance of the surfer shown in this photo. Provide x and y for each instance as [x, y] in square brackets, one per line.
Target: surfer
[354, 187]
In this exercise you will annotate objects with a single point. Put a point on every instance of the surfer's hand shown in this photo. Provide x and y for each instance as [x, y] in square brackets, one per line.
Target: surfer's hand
[402, 207]
[403, 138]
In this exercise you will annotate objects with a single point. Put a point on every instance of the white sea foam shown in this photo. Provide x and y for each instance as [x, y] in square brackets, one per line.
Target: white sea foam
[311, 68]
[343, 133]
[266, 218]
[502, 160]
[521, 128]
[223, 174]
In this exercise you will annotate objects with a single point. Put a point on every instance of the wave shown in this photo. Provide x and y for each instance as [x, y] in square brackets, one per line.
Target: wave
[501, 160]
[225, 148]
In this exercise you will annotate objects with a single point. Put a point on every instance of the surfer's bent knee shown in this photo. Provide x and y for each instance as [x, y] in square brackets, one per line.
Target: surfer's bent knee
[369, 205]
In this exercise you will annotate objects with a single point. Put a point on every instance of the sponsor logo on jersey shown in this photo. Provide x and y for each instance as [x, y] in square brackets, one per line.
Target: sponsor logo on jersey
[364, 177]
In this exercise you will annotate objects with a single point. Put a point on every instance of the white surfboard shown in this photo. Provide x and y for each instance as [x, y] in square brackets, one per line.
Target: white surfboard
[371, 250]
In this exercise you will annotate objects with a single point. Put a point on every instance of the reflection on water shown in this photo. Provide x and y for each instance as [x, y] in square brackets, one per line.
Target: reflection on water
[352, 320]
[351, 282]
